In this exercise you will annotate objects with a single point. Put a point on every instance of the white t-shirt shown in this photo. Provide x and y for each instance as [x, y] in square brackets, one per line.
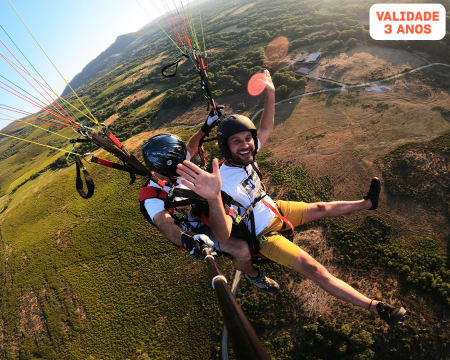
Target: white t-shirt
[155, 205]
[244, 185]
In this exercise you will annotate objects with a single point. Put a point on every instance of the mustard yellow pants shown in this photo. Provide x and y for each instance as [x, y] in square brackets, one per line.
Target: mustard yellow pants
[275, 246]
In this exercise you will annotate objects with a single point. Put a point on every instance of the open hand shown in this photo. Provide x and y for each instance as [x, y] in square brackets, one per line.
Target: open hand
[205, 184]
[270, 87]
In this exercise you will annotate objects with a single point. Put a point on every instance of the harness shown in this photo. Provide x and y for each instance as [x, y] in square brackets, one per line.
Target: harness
[199, 206]
[254, 243]
[199, 209]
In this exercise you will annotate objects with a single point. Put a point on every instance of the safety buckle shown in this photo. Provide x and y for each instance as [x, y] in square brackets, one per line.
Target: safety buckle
[85, 155]
[178, 215]
[238, 219]
[261, 239]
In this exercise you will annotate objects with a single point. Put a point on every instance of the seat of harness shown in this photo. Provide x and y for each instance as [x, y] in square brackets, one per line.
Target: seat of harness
[175, 199]
[151, 192]
[189, 197]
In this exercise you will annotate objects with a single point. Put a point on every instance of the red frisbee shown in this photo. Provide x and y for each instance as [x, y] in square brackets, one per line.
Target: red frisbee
[256, 84]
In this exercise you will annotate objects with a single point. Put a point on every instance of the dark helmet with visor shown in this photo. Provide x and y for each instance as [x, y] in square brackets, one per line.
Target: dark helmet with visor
[163, 152]
[232, 125]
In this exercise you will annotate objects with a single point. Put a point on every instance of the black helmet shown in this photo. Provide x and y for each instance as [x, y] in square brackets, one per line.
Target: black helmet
[232, 125]
[163, 152]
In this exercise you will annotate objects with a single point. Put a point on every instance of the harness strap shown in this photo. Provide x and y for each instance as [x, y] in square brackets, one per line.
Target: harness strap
[252, 205]
[165, 68]
[186, 193]
[111, 164]
[160, 182]
[235, 215]
[179, 203]
[87, 178]
[232, 213]
[281, 217]
[150, 192]
[257, 171]
[254, 244]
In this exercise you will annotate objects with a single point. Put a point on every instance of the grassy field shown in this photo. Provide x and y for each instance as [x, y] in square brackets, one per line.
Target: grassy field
[97, 293]
[21, 160]
[91, 284]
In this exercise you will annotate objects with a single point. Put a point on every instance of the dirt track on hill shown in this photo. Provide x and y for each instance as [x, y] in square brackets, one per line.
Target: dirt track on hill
[341, 134]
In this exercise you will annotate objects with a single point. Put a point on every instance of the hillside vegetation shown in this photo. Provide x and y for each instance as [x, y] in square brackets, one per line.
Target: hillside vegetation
[91, 279]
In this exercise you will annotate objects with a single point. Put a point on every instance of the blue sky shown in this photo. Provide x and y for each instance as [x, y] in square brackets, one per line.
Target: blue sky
[72, 32]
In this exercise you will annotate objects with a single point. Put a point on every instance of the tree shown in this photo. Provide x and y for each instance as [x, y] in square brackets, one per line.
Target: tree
[352, 42]
[282, 92]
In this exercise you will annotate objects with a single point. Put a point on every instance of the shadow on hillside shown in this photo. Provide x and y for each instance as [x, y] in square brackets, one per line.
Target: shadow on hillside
[330, 98]
[196, 113]
[283, 112]
[180, 115]
[437, 77]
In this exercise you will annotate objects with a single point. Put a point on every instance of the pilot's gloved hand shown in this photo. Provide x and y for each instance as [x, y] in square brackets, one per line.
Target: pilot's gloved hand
[213, 118]
[196, 243]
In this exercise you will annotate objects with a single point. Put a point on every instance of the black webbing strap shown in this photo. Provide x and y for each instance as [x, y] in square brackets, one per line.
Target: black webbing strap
[257, 171]
[252, 205]
[169, 75]
[186, 202]
[87, 178]
[254, 243]
[74, 141]
[189, 198]
[186, 193]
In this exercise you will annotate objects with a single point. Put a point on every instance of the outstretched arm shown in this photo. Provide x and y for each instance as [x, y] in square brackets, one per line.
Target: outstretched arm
[193, 243]
[167, 226]
[268, 116]
[208, 186]
[192, 145]
[211, 121]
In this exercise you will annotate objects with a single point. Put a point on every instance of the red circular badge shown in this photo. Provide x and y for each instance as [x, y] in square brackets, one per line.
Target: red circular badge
[256, 84]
